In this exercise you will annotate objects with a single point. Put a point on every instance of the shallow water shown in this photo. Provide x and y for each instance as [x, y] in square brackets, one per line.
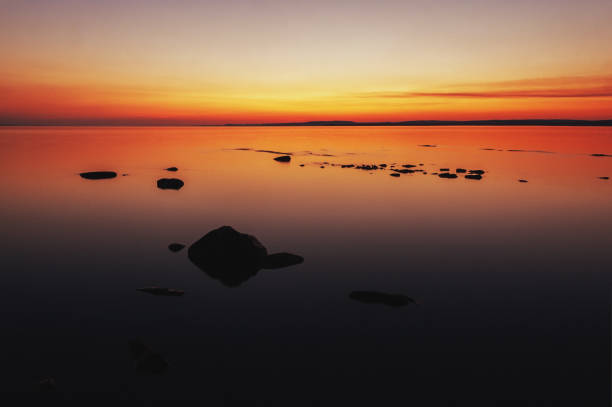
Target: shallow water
[512, 279]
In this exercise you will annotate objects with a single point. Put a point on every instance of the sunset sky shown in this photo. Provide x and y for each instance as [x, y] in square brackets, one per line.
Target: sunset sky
[227, 61]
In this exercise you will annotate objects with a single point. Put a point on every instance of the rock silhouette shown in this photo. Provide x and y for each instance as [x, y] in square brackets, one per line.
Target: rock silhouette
[98, 174]
[394, 174]
[228, 255]
[280, 260]
[460, 170]
[447, 175]
[145, 359]
[174, 169]
[375, 297]
[601, 155]
[170, 292]
[604, 177]
[170, 183]
[176, 247]
[283, 158]
[477, 172]
[522, 180]
[474, 176]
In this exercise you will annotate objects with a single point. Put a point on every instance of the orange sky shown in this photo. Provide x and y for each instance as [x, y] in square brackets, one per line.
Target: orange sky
[272, 61]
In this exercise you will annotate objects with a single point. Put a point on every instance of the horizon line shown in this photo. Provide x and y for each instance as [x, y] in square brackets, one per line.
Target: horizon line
[336, 123]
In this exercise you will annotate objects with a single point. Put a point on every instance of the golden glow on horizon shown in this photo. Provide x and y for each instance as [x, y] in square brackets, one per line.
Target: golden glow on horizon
[220, 62]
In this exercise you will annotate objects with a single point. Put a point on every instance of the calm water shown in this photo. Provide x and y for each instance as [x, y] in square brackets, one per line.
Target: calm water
[512, 279]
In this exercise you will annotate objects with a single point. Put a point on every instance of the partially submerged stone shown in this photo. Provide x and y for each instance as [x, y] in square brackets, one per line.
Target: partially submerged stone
[522, 180]
[474, 176]
[173, 169]
[98, 174]
[394, 174]
[477, 172]
[170, 183]
[375, 297]
[176, 247]
[460, 170]
[447, 175]
[280, 260]
[604, 177]
[170, 292]
[283, 158]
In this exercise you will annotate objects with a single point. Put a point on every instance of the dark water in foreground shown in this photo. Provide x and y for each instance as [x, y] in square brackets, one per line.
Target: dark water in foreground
[512, 279]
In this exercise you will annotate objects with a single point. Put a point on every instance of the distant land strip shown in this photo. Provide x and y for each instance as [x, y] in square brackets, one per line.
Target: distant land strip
[513, 122]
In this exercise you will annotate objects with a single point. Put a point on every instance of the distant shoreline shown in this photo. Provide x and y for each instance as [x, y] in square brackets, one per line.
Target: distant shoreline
[345, 123]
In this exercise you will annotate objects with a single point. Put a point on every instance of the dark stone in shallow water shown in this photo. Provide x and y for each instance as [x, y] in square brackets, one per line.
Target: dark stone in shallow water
[474, 176]
[394, 174]
[444, 169]
[347, 165]
[174, 169]
[98, 174]
[145, 359]
[406, 171]
[522, 180]
[283, 158]
[604, 177]
[228, 255]
[170, 183]
[176, 247]
[447, 175]
[280, 260]
[460, 170]
[374, 297]
[408, 166]
[478, 172]
[170, 292]
[601, 155]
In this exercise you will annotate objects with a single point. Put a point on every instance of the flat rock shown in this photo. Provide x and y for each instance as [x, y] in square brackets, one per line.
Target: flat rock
[170, 183]
[444, 169]
[170, 292]
[474, 176]
[375, 297]
[447, 175]
[228, 255]
[145, 359]
[460, 170]
[394, 174]
[477, 172]
[280, 260]
[601, 155]
[522, 180]
[283, 158]
[98, 174]
[176, 247]
[604, 177]
[174, 169]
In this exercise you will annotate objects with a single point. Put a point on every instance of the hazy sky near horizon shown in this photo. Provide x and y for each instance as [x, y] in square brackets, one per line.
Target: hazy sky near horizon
[250, 61]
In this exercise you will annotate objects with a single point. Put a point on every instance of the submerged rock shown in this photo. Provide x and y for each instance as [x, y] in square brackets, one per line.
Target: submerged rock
[280, 260]
[478, 172]
[444, 169]
[171, 292]
[394, 174]
[228, 255]
[170, 183]
[427, 145]
[460, 170]
[408, 166]
[174, 169]
[447, 175]
[283, 158]
[474, 176]
[406, 171]
[145, 359]
[375, 297]
[176, 247]
[522, 180]
[347, 165]
[301, 165]
[601, 155]
[604, 177]
[98, 174]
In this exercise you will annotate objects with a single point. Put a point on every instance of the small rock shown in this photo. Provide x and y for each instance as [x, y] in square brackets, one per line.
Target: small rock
[280, 260]
[283, 158]
[145, 359]
[427, 145]
[474, 176]
[394, 174]
[604, 177]
[374, 297]
[347, 165]
[479, 172]
[601, 155]
[174, 169]
[322, 166]
[522, 180]
[447, 175]
[171, 292]
[98, 174]
[301, 165]
[460, 170]
[444, 169]
[170, 183]
[176, 247]
[408, 166]
[124, 175]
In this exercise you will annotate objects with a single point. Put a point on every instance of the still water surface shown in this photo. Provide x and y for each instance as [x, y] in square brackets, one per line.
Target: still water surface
[512, 279]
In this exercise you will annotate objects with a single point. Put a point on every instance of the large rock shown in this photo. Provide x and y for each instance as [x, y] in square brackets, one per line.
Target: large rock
[170, 183]
[228, 255]
[283, 158]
